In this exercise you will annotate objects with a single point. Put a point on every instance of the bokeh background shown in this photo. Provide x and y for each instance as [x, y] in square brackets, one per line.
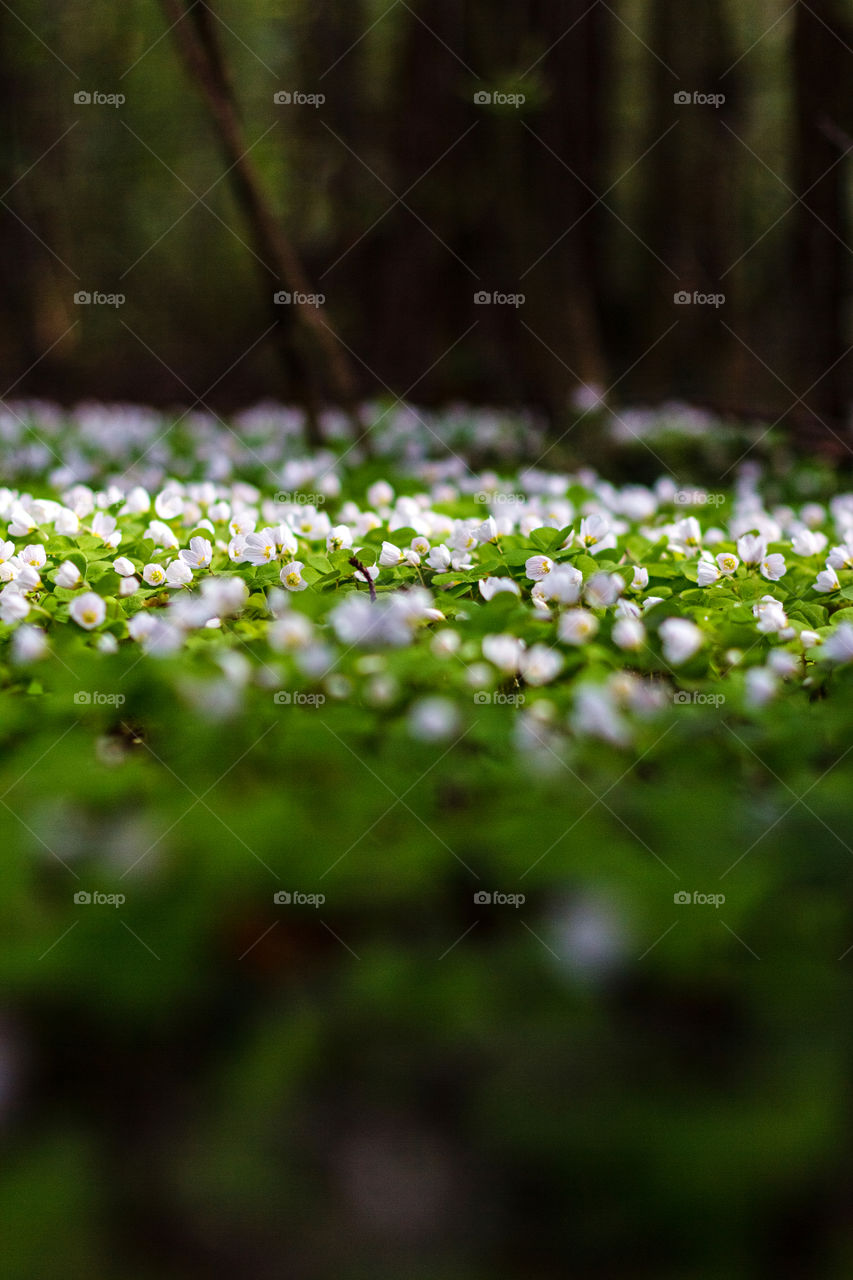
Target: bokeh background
[598, 197]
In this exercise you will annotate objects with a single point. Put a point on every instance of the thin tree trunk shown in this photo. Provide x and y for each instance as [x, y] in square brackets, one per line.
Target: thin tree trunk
[198, 45]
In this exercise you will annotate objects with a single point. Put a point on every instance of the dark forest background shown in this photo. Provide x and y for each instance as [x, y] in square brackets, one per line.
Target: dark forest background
[598, 198]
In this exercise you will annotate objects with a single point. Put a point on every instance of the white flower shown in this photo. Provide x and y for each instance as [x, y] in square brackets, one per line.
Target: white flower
[340, 538]
[29, 644]
[439, 558]
[445, 643]
[104, 527]
[33, 555]
[490, 587]
[141, 625]
[603, 590]
[771, 615]
[13, 605]
[596, 713]
[752, 548]
[761, 686]
[563, 585]
[123, 567]
[199, 555]
[783, 663]
[686, 535]
[805, 542]
[595, 534]
[260, 548]
[487, 531]
[161, 535]
[169, 504]
[380, 494]
[838, 646]
[88, 610]
[808, 639]
[727, 563]
[291, 631]
[67, 575]
[433, 719]
[421, 545]
[242, 524]
[128, 586]
[773, 567]
[505, 651]
[640, 580]
[576, 626]
[291, 576]
[841, 557]
[629, 633]
[707, 573]
[21, 522]
[390, 556]
[154, 575]
[237, 549]
[67, 523]
[827, 580]
[539, 665]
[538, 567]
[178, 574]
[681, 640]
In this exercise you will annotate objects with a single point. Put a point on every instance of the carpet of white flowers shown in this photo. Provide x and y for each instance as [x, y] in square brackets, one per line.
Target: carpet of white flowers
[414, 585]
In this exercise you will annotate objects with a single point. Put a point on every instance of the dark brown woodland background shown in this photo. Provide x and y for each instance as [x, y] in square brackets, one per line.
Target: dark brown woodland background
[599, 198]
